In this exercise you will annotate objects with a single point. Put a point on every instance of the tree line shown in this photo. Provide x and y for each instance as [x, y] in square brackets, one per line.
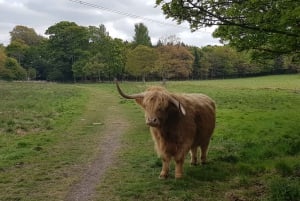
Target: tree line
[73, 53]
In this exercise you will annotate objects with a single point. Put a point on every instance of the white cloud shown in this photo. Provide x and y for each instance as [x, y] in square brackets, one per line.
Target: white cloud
[40, 15]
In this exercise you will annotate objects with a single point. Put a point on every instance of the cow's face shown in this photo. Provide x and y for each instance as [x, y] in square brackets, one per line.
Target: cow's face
[157, 103]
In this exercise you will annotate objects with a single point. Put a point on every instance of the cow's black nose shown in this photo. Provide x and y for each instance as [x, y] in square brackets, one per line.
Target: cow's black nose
[152, 121]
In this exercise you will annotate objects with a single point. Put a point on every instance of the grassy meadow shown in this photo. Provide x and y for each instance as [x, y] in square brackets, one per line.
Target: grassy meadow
[45, 130]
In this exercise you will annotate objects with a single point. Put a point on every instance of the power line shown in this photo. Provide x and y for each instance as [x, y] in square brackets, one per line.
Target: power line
[126, 14]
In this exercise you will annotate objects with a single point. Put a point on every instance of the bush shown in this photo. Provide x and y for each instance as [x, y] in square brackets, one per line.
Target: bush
[12, 70]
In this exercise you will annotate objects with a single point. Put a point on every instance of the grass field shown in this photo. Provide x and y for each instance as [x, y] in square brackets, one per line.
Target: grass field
[254, 154]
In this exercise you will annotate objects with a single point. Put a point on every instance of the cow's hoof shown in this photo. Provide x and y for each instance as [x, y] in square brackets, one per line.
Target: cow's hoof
[178, 176]
[163, 176]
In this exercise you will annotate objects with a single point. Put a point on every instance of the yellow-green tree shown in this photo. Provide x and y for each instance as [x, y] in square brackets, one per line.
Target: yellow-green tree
[141, 61]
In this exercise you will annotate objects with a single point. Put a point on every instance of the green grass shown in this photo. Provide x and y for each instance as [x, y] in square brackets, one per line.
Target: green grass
[254, 152]
[45, 130]
[42, 161]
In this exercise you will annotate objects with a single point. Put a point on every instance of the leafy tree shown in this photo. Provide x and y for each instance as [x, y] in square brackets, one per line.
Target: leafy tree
[159, 43]
[38, 58]
[141, 61]
[112, 52]
[28, 48]
[174, 61]
[13, 70]
[4, 72]
[115, 57]
[67, 43]
[96, 67]
[3, 56]
[17, 49]
[292, 63]
[98, 37]
[85, 66]
[28, 35]
[141, 36]
[268, 25]
[196, 63]
[32, 73]
[221, 62]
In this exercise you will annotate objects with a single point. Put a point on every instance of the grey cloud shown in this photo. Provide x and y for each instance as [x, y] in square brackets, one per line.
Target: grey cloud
[40, 15]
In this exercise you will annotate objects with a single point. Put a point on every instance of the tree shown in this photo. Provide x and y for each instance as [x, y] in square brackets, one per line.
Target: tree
[3, 56]
[141, 61]
[115, 57]
[17, 49]
[267, 25]
[13, 70]
[112, 51]
[174, 61]
[4, 72]
[196, 63]
[67, 43]
[28, 35]
[98, 37]
[96, 67]
[31, 73]
[38, 58]
[141, 36]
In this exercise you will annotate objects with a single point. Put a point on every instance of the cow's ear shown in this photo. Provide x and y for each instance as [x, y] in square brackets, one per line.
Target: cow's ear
[139, 101]
[181, 108]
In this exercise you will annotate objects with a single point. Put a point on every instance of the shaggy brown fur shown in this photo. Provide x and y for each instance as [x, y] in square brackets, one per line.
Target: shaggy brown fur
[179, 123]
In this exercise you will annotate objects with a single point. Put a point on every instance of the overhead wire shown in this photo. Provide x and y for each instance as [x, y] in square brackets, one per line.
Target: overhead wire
[127, 14]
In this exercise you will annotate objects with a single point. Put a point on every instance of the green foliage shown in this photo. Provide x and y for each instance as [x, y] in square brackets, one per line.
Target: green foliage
[78, 53]
[141, 61]
[265, 25]
[67, 44]
[174, 61]
[95, 67]
[31, 72]
[106, 56]
[224, 61]
[12, 70]
[196, 63]
[28, 35]
[141, 36]
[17, 49]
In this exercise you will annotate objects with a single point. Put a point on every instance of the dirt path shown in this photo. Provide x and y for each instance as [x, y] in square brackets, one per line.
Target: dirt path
[115, 126]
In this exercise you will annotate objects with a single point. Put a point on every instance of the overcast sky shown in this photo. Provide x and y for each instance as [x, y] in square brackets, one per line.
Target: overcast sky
[41, 14]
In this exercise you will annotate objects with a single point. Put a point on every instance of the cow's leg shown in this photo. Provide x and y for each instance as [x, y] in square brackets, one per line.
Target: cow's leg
[165, 167]
[194, 155]
[179, 167]
[204, 148]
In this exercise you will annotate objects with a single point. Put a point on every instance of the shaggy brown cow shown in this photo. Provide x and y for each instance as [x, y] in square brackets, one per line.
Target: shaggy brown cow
[179, 123]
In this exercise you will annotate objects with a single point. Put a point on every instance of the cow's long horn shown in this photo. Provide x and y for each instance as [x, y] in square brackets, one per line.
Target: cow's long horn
[132, 96]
